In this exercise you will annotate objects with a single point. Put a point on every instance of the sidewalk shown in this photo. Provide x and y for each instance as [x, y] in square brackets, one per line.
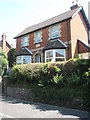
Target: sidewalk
[15, 108]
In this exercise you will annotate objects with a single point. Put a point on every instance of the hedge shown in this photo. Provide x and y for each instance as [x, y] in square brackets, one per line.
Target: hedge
[73, 72]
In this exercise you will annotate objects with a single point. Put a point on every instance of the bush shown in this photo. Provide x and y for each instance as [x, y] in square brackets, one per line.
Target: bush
[82, 65]
[86, 93]
[59, 80]
[52, 74]
[73, 80]
[25, 73]
[68, 68]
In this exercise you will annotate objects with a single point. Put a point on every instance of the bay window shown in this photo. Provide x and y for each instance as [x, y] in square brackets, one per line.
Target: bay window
[55, 55]
[23, 59]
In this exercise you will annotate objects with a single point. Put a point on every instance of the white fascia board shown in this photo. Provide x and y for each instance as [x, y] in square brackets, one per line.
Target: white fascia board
[86, 43]
[62, 42]
[28, 50]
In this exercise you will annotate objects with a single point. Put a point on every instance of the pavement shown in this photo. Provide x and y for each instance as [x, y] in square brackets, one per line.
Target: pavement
[16, 108]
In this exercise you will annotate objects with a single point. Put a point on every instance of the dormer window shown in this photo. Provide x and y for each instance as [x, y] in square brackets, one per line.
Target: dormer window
[25, 41]
[54, 31]
[37, 37]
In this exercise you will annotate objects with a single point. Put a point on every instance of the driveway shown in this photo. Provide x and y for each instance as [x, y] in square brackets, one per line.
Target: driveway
[15, 108]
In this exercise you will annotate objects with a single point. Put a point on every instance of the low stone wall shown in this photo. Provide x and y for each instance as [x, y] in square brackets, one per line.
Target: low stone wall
[21, 93]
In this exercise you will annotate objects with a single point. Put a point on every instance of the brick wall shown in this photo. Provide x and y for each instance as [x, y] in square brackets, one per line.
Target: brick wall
[76, 29]
[5, 45]
[4, 42]
[45, 38]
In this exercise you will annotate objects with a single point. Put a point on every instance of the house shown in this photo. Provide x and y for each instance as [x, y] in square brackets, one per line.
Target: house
[57, 39]
[4, 44]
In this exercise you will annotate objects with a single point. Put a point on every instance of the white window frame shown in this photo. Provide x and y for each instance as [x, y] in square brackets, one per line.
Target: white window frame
[37, 39]
[25, 41]
[53, 32]
[54, 55]
[22, 59]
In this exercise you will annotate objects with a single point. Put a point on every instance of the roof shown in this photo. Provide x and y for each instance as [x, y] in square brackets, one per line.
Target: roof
[52, 21]
[84, 45]
[24, 51]
[55, 44]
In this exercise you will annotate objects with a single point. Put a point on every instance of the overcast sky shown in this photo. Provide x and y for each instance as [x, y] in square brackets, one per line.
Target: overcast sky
[16, 15]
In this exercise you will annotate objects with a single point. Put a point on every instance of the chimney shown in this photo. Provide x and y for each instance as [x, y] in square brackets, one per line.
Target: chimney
[74, 6]
[4, 42]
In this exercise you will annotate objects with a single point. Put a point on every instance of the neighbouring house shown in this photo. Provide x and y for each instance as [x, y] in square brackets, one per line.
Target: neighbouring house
[57, 39]
[4, 44]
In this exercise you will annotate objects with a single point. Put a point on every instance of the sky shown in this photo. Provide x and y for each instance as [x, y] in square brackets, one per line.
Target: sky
[16, 15]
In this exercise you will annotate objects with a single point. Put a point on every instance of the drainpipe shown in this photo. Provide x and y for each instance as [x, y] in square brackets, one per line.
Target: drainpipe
[68, 39]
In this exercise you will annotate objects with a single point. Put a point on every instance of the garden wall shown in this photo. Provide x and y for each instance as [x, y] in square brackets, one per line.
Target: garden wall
[64, 84]
[20, 93]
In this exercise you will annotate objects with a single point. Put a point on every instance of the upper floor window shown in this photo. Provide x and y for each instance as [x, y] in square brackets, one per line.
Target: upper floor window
[54, 31]
[37, 38]
[24, 41]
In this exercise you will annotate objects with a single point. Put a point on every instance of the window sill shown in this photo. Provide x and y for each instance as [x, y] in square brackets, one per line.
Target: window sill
[25, 46]
[37, 43]
[54, 38]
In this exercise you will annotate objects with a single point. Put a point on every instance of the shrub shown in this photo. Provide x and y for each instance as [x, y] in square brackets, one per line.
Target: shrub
[82, 65]
[68, 68]
[25, 73]
[86, 93]
[58, 79]
[73, 80]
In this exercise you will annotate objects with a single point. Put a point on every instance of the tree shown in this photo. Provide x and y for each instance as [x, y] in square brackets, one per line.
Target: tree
[11, 57]
[3, 62]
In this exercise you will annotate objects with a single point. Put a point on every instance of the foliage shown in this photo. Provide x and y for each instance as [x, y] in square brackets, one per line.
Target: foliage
[24, 73]
[11, 57]
[68, 68]
[50, 74]
[3, 62]
[58, 79]
[73, 80]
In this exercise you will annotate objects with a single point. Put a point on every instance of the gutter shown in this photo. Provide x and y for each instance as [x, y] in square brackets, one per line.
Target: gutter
[68, 39]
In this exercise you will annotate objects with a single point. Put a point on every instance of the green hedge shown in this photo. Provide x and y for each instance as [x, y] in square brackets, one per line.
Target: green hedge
[72, 72]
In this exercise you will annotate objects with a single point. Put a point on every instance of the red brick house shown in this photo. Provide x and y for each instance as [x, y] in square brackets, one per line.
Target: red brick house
[4, 44]
[57, 39]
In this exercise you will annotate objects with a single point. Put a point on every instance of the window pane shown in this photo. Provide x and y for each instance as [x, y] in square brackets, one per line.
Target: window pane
[59, 53]
[48, 60]
[24, 41]
[55, 31]
[38, 37]
[49, 54]
[59, 59]
[19, 60]
[26, 59]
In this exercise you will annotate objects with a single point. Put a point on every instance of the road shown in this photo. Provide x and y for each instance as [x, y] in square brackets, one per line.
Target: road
[15, 108]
